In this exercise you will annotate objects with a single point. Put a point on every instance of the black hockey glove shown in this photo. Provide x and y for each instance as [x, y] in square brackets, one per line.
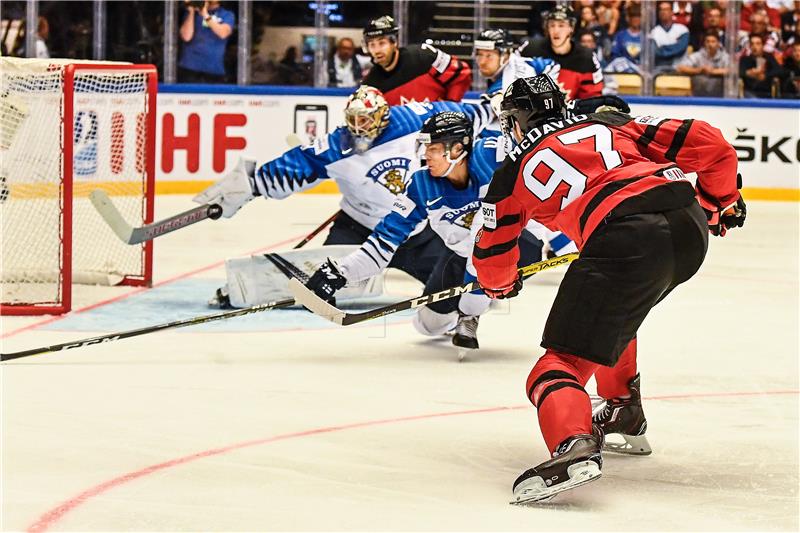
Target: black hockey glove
[719, 222]
[591, 105]
[326, 281]
[505, 292]
[723, 219]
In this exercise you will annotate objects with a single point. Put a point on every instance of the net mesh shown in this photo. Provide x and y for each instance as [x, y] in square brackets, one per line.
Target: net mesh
[109, 153]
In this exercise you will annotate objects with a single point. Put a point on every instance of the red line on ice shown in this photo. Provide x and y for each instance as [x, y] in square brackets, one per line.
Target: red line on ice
[138, 290]
[54, 515]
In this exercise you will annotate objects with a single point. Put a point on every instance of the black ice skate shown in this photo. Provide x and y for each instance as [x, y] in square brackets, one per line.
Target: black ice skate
[575, 462]
[220, 300]
[465, 336]
[624, 417]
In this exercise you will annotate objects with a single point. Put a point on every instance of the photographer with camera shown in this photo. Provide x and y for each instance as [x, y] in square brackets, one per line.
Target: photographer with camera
[205, 30]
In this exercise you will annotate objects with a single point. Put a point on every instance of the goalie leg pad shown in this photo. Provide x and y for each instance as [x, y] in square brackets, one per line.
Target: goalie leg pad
[257, 280]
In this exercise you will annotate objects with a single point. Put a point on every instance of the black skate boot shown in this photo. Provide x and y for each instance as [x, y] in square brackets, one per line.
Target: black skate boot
[465, 337]
[575, 462]
[220, 300]
[624, 417]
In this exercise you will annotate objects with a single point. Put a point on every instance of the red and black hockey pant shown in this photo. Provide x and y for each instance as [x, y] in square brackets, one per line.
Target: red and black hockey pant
[626, 267]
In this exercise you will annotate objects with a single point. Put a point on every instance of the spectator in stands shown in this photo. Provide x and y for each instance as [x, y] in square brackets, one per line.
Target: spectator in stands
[412, 73]
[790, 24]
[205, 31]
[783, 6]
[707, 67]
[758, 69]
[749, 8]
[587, 39]
[42, 33]
[589, 23]
[682, 12]
[580, 74]
[791, 67]
[344, 67]
[713, 21]
[759, 25]
[670, 39]
[290, 72]
[608, 16]
[628, 43]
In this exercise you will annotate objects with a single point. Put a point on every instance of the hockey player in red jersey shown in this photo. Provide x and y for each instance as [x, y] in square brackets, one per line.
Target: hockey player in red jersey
[419, 73]
[615, 185]
[580, 74]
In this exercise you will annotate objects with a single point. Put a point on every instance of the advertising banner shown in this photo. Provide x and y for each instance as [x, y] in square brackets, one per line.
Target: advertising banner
[201, 136]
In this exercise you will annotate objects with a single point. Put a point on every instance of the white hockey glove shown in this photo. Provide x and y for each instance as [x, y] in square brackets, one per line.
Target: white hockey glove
[232, 191]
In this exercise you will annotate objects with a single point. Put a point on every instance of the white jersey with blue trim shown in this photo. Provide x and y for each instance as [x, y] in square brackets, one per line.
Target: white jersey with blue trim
[370, 182]
[516, 67]
[450, 212]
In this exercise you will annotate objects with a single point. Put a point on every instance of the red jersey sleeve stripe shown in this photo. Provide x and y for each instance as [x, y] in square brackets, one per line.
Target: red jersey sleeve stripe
[506, 220]
[456, 71]
[649, 134]
[494, 250]
[678, 140]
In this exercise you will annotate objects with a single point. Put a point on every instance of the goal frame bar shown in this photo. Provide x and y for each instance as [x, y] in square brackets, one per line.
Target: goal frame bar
[67, 147]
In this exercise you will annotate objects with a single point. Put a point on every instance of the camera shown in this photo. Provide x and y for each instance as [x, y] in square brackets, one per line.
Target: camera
[197, 4]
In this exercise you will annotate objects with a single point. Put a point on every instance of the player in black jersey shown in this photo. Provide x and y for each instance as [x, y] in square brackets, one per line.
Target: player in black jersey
[412, 73]
[580, 75]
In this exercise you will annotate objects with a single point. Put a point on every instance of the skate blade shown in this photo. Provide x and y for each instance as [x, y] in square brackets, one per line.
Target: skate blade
[535, 490]
[633, 445]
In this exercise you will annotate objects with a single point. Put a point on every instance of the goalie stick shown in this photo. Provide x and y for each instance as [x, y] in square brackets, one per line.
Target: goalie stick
[318, 306]
[149, 329]
[137, 235]
[131, 235]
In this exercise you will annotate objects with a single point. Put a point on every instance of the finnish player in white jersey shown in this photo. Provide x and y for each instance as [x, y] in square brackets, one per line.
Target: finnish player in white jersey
[499, 61]
[371, 159]
[446, 193]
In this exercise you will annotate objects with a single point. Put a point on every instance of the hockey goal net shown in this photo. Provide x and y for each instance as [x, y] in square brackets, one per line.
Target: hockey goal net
[67, 129]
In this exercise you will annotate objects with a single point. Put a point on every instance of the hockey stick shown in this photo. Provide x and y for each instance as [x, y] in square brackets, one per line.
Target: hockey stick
[316, 231]
[149, 329]
[131, 235]
[286, 268]
[318, 306]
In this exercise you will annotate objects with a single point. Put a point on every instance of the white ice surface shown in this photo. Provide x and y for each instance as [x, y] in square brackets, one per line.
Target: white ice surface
[74, 421]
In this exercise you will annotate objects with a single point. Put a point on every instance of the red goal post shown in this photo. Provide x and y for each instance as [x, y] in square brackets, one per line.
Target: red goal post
[67, 128]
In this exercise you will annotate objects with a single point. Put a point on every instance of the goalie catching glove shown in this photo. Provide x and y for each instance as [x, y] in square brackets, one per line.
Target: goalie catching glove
[326, 281]
[234, 190]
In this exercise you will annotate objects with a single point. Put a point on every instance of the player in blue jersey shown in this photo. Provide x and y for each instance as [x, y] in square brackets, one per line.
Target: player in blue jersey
[500, 63]
[446, 193]
[372, 159]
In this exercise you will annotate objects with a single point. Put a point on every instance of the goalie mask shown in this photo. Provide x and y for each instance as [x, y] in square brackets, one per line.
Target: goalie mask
[449, 128]
[529, 102]
[366, 115]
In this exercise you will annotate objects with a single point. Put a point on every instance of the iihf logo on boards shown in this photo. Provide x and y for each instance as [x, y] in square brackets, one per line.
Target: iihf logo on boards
[391, 173]
[85, 143]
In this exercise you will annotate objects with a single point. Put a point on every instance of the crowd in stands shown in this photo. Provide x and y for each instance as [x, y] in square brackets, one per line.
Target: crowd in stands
[688, 38]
